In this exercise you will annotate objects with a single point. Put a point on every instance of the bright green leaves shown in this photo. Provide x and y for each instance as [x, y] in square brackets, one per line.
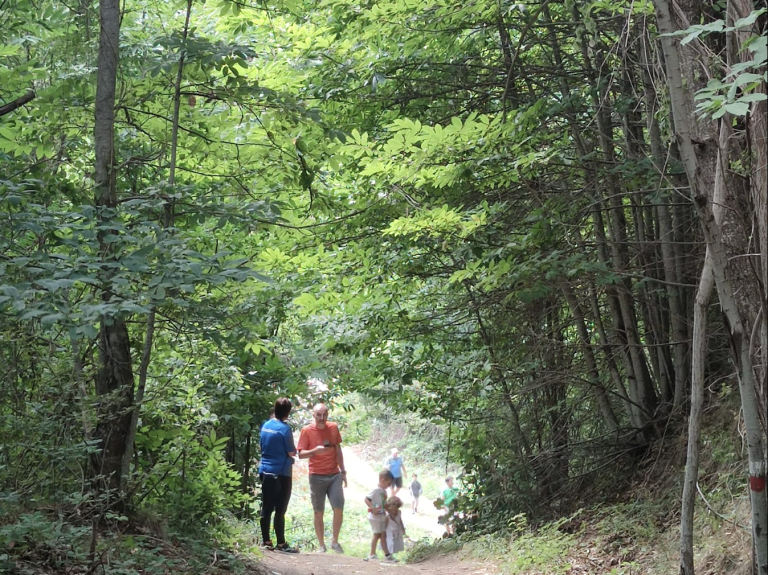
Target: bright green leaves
[448, 154]
[413, 152]
[11, 142]
[213, 443]
[437, 222]
[200, 52]
[149, 267]
[740, 87]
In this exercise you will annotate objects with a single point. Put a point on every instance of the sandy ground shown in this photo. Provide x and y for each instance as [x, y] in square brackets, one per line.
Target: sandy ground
[331, 564]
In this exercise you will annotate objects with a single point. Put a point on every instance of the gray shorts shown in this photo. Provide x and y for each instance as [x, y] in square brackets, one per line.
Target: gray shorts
[378, 523]
[322, 485]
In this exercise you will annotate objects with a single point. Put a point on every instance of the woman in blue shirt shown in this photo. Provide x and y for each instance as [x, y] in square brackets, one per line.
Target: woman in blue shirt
[277, 453]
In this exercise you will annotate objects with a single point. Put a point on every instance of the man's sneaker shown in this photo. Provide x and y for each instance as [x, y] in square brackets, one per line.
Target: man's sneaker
[371, 557]
[285, 548]
[321, 549]
[336, 547]
[268, 545]
[390, 558]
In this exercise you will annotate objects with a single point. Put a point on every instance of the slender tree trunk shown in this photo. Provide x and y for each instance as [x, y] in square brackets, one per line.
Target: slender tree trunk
[608, 351]
[637, 415]
[644, 392]
[81, 387]
[135, 412]
[114, 381]
[669, 248]
[698, 361]
[757, 129]
[247, 469]
[589, 357]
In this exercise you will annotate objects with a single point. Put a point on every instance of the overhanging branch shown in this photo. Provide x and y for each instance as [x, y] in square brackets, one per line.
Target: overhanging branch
[17, 103]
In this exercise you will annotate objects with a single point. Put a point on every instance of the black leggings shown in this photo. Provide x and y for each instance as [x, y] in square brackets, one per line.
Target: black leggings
[275, 495]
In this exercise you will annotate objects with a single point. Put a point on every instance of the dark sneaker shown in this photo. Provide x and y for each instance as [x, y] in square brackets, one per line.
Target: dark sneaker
[268, 546]
[337, 548]
[285, 548]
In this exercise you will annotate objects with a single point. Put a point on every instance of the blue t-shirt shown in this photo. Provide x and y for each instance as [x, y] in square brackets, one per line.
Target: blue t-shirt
[276, 441]
[394, 464]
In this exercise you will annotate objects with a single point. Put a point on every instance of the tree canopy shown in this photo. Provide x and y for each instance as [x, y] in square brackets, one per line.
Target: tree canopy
[508, 218]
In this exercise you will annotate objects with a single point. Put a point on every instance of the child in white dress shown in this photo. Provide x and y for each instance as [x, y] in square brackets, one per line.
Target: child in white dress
[395, 528]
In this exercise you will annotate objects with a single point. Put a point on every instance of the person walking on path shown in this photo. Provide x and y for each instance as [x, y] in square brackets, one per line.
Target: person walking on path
[376, 502]
[396, 465]
[415, 489]
[320, 442]
[275, 473]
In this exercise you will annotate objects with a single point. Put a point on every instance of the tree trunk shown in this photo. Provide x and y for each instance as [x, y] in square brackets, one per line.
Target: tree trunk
[114, 380]
[642, 390]
[247, 470]
[699, 351]
[669, 247]
[613, 368]
[589, 357]
[146, 354]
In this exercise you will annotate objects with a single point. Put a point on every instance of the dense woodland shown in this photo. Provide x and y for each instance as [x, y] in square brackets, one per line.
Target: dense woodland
[542, 225]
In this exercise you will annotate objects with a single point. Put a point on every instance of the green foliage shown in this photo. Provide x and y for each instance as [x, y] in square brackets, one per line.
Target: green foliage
[388, 198]
[741, 86]
[544, 550]
[51, 542]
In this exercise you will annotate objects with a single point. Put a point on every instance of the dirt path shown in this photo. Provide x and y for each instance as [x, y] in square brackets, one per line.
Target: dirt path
[277, 563]
[361, 476]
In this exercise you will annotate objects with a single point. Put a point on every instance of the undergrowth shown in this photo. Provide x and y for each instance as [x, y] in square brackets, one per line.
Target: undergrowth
[59, 540]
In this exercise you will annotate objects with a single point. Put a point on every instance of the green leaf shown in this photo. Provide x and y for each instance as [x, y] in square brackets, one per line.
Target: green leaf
[737, 108]
[9, 50]
[748, 20]
[753, 97]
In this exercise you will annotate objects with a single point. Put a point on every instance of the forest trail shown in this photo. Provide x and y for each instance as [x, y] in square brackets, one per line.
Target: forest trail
[361, 477]
[276, 563]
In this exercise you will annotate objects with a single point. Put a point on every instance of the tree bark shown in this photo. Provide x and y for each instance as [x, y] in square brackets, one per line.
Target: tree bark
[698, 361]
[130, 440]
[641, 386]
[246, 470]
[114, 381]
[169, 217]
